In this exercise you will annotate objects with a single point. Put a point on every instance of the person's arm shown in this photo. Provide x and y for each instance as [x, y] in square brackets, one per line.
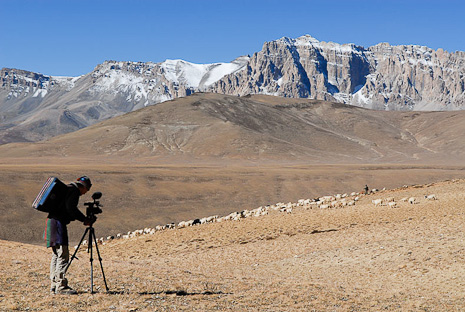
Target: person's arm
[71, 205]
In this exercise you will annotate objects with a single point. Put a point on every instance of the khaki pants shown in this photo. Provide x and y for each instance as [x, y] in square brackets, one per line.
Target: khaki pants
[58, 264]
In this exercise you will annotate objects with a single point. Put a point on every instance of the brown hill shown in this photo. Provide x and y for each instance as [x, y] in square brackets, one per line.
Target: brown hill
[212, 127]
[357, 258]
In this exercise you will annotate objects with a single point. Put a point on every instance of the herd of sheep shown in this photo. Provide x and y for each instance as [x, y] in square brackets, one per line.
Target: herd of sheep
[325, 202]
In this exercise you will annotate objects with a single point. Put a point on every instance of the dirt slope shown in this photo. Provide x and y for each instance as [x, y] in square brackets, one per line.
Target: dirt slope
[213, 127]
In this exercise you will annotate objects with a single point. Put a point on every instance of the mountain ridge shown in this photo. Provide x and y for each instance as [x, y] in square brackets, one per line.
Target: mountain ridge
[35, 107]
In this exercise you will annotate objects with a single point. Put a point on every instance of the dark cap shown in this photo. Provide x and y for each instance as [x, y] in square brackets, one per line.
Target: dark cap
[84, 181]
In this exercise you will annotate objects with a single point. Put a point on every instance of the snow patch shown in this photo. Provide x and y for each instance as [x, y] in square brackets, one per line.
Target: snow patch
[199, 75]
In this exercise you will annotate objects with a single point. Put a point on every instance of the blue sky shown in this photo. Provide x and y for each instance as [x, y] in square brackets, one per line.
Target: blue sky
[69, 38]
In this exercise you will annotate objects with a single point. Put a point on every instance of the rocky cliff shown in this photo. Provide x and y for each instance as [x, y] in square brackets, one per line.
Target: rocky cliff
[380, 77]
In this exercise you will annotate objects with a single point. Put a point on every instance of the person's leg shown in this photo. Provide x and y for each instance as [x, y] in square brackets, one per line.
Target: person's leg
[53, 265]
[62, 257]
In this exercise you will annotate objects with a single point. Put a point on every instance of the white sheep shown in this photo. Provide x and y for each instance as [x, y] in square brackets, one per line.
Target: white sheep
[431, 197]
[182, 224]
[392, 204]
[412, 200]
[211, 218]
[377, 202]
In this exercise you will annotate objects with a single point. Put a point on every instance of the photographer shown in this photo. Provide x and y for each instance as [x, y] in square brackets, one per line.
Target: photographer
[56, 233]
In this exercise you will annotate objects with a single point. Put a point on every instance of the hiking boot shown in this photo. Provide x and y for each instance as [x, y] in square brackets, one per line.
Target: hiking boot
[66, 291]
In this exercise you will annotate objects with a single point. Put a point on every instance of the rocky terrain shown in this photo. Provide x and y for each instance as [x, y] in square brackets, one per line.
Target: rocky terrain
[355, 258]
[35, 106]
[381, 77]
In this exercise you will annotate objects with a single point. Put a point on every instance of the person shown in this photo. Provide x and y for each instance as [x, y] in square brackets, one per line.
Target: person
[366, 189]
[56, 233]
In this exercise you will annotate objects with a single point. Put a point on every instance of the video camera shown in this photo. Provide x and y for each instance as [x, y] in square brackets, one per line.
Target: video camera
[93, 208]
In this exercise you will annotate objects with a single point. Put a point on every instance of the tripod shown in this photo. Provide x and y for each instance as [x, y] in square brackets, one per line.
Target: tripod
[92, 240]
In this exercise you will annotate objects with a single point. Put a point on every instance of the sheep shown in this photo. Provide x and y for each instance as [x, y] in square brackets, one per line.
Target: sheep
[389, 199]
[313, 204]
[377, 202]
[325, 206]
[211, 218]
[431, 197]
[405, 199]
[392, 204]
[327, 198]
[220, 219]
[307, 202]
[260, 211]
[412, 200]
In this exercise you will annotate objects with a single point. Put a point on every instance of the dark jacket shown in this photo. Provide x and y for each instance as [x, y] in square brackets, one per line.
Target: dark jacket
[69, 210]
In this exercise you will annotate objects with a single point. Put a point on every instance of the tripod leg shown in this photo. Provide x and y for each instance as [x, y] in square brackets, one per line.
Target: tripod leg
[74, 254]
[100, 260]
[91, 233]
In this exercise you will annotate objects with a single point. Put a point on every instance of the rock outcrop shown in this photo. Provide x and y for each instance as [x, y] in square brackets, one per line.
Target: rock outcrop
[382, 77]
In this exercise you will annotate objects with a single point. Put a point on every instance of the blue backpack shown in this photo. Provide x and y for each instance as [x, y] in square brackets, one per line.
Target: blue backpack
[51, 196]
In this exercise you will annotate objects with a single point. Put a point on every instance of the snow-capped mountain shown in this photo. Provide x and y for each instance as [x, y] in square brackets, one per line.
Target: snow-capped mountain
[407, 77]
[35, 106]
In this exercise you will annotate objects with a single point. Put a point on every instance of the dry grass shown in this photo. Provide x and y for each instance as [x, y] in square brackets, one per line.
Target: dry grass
[359, 258]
